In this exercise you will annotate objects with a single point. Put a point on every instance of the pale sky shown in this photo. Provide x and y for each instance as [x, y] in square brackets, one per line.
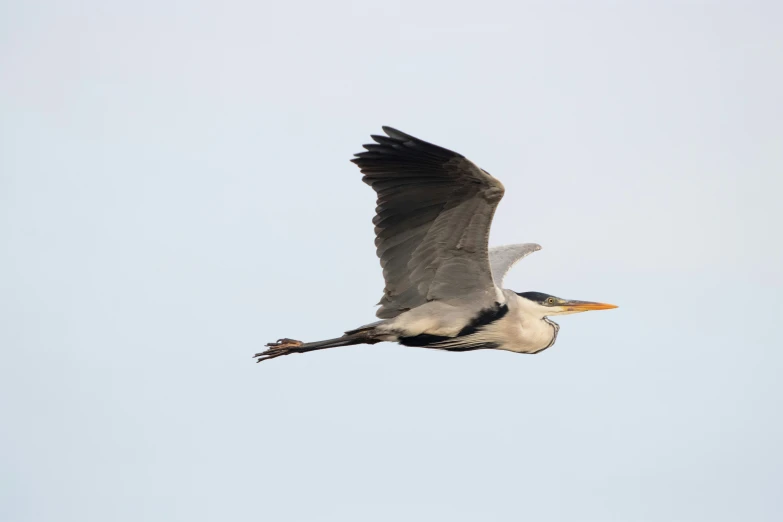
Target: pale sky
[176, 191]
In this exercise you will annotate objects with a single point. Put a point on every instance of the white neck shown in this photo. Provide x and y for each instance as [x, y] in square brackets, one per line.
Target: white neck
[525, 328]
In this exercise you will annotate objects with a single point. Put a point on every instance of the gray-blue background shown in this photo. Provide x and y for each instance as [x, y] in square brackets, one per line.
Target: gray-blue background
[175, 191]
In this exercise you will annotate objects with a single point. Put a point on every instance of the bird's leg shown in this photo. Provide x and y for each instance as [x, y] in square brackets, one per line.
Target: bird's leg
[289, 346]
[283, 346]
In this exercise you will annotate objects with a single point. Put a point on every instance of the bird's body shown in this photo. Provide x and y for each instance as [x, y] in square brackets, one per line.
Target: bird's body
[509, 326]
[443, 283]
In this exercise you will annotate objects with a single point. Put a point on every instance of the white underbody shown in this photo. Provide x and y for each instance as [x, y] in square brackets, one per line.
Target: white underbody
[524, 329]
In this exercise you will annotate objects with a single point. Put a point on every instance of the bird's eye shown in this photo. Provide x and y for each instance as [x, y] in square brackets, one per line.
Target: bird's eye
[551, 300]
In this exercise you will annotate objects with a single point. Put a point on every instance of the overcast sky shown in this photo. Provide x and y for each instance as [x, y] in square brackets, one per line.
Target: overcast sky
[175, 191]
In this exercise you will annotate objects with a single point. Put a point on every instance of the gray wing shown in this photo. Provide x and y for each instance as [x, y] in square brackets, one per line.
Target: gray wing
[432, 221]
[502, 258]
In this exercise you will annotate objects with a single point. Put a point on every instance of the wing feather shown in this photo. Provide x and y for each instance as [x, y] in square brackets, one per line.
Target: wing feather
[502, 258]
[433, 215]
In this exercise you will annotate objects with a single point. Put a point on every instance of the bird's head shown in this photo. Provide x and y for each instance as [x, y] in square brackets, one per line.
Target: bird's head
[541, 304]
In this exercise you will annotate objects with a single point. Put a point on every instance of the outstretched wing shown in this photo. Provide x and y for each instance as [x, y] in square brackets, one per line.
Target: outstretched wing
[502, 258]
[432, 221]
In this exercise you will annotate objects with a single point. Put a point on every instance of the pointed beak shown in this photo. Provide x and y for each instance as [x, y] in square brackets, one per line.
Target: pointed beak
[586, 306]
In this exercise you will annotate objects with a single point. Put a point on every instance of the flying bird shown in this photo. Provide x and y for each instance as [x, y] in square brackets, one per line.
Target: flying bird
[443, 282]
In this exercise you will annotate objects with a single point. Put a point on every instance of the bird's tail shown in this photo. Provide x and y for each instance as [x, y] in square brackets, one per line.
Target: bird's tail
[289, 346]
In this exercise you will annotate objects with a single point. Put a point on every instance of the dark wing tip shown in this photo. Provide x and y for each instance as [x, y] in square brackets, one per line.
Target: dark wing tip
[394, 133]
[397, 142]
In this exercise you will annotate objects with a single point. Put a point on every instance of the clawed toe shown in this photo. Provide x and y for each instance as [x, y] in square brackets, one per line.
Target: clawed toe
[285, 341]
[284, 346]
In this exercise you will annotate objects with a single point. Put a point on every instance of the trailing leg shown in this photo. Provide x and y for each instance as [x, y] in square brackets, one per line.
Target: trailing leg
[288, 346]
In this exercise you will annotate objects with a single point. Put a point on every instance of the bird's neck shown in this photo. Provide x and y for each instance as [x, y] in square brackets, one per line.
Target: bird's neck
[536, 331]
[555, 329]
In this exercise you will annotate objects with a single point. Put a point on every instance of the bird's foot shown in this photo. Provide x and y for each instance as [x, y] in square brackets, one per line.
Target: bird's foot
[283, 346]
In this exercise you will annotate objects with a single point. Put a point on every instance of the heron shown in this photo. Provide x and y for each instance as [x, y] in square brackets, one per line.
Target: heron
[443, 284]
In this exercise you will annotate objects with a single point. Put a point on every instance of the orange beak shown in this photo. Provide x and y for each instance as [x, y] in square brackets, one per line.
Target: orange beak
[586, 306]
